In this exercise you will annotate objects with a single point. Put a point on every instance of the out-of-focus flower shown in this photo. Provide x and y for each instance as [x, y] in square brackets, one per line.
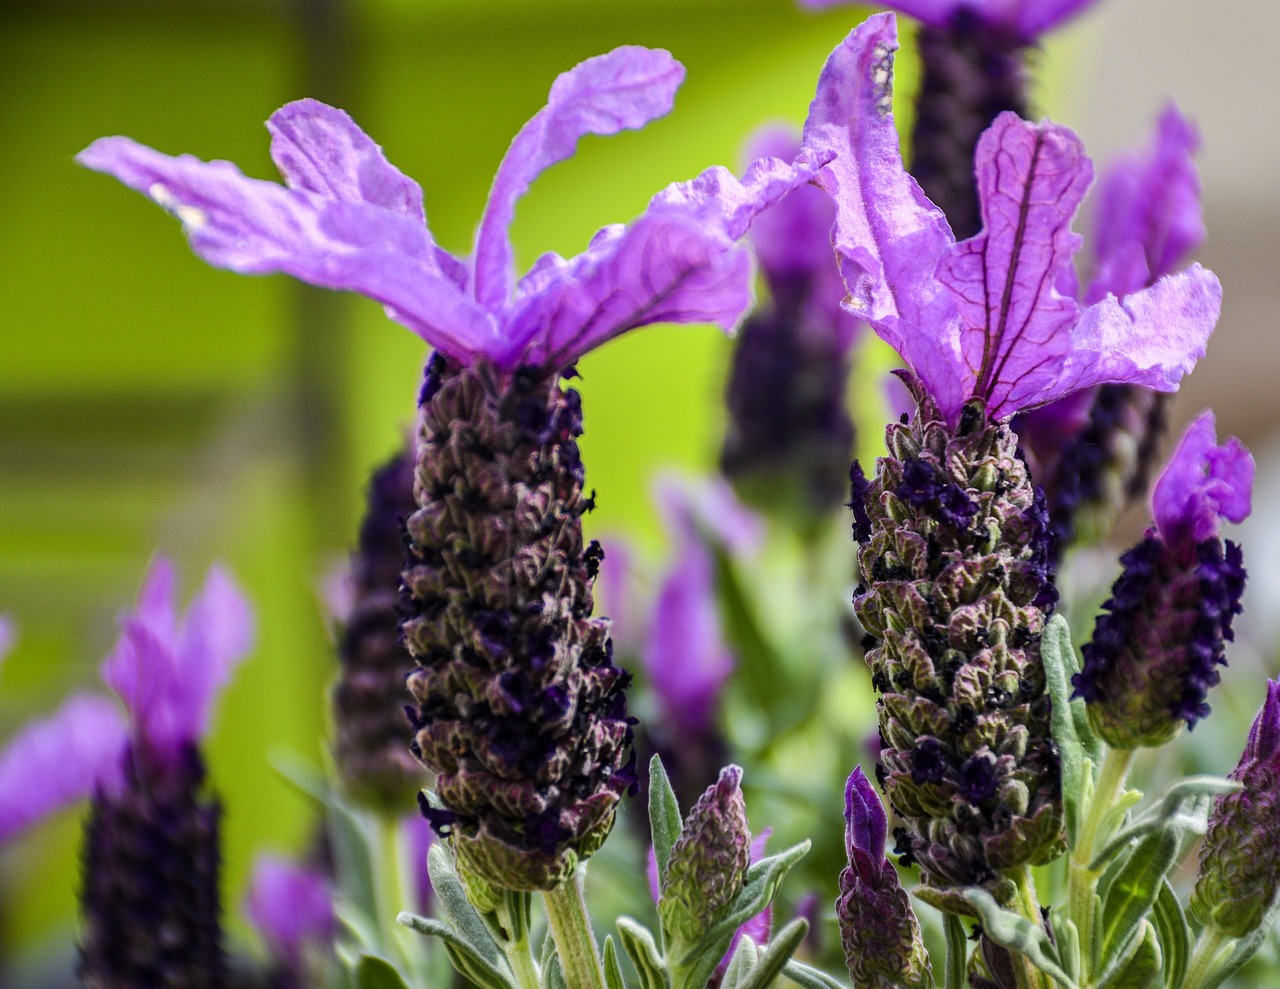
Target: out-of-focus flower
[291, 906]
[1160, 637]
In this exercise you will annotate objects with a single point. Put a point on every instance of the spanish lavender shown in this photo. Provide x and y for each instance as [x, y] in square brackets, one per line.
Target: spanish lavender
[789, 433]
[1158, 643]
[291, 906]
[878, 929]
[954, 550]
[371, 737]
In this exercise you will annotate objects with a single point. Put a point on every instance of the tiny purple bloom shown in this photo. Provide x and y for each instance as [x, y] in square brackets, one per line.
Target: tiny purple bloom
[168, 671]
[347, 219]
[984, 317]
[865, 827]
[1027, 19]
[1203, 484]
[52, 763]
[1263, 745]
[292, 908]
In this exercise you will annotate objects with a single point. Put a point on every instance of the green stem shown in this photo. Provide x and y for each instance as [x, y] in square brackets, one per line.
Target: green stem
[516, 945]
[392, 889]
[1082, 882]
[1027, 974]
[575, 942]
[1206, 957]
[957, 950]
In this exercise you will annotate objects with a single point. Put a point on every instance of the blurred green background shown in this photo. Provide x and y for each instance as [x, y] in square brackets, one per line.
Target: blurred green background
[149, 402]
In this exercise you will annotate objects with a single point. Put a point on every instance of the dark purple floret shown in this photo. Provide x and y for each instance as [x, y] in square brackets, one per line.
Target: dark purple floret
[977, 779]
[150, 900]
[973, 72]
[1159, 641]
[929, 761]
[924, 486]
[859, 486]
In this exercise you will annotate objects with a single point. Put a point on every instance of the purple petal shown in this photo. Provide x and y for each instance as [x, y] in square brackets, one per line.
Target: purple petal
[665, 267]
[888, 237]
[685, 656]
[758, 927]
[698, 509]
[622, 90]
[865, 822]
[256, 227]
[1016, 325]
[418, 837]
[1264, 735]
[1147, 211]
[291, 906]
[216, 634]
[319, 148]
[8, 636]
[52, 763]
[617, 593]
[651, 872]
[1202, 484]
[1035, 17]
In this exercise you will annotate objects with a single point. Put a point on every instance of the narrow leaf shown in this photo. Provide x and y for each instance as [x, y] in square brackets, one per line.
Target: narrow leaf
[1017, 934]
[612, 968]
[637, 941]
[808, 977]
[553, 976]
[1134, 890]
[1140, 967]
[1070, 726]
[957, 952]
[664, 814]
[740, 965]
[464, 957]
[771, 961]
[462, 917]
[1184, 809]
[353, 865]
[1175, 935]
[375, 973]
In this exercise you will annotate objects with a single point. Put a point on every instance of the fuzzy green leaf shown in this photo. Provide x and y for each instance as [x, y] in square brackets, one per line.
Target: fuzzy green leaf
[957, 952]
[808, 977]
[375, 973]
[1175, 935]
[1139, 968]
[1184, 810]
[452, 902]
[638, 943]
[664, 814]
[740, 965]
[464, 957]
[1078, 747]
[1133, 892]
[1017, 934]
[612, 968]
[353, 866]
[771, 961]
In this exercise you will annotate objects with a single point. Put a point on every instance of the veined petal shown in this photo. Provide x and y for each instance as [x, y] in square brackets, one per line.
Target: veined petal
[1203, 483]
[255, 227]
[61, 759]
[1015, 324]
[1147, 211]
[320, 149]
[621, 90]
[888, 237]
[665, 267]
[216, 634]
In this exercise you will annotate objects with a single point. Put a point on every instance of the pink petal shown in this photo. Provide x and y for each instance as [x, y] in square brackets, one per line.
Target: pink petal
[52, 763]
[1202, 484]
[621, 90]
[256, 227]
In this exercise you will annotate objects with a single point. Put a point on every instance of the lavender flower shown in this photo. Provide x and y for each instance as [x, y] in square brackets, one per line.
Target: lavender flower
[151, 861]
[8, 636]
[709, 860]
[789, 433]
[371, 744]
[878, 929]
[520, 709]
[1160, 638]
[955, 555]
[1240, 857]
[1094, 450]
[292, 908]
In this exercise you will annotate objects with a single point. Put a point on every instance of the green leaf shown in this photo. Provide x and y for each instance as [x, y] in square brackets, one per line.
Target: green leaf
[553, 975]
[353, 866]
[1175, 935]
[759, 661]
[664, 814]
[1078, 747]
[770, 962]
[375, 973]
[1184, 809]
[957, 952]
[808, 977]
[740, 964]
[1242, 951]
[637, 942]
[1133, 891]
[1140, 967]
[462, 917]
[1066, 937]
[1017, 934]
[698, 960]
[612, 968]
[469, 963]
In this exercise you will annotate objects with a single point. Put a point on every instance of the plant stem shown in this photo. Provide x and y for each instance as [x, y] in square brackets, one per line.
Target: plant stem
[1028, 975]
[575, 942]
[392, 890]
[957, 949]
[1205, 959]
[516, 945]
[1082, 882]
